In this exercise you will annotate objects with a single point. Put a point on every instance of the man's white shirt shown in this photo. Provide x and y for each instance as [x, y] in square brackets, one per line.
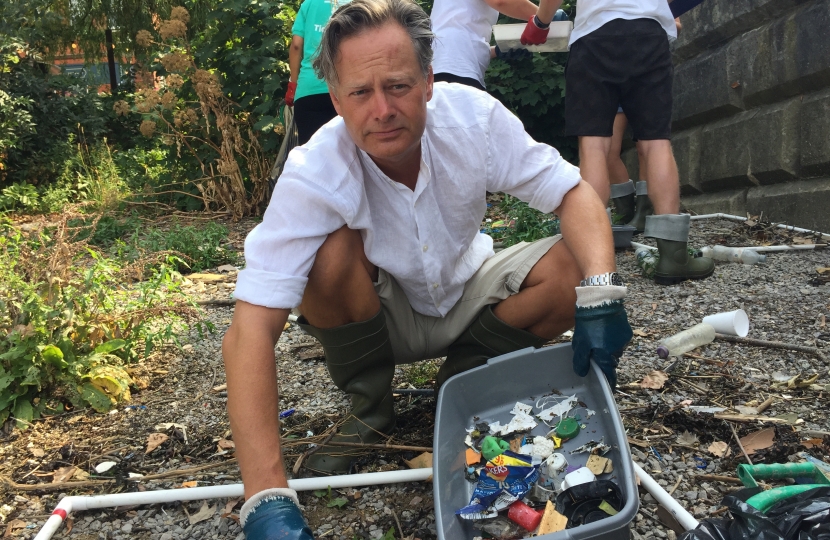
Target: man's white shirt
[592, 14]
[462, 37]
[427, 239]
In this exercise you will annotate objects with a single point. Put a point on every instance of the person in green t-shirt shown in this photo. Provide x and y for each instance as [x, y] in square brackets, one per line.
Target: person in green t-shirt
[306, 93]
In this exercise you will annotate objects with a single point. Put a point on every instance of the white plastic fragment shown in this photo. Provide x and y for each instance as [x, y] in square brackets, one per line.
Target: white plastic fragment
[542, 447]
[704, 409]
[520, 407]
[560, 409]
[105, 466]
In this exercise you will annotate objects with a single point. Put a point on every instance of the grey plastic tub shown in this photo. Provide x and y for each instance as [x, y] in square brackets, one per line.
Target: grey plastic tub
[489, 393]
[623, 235]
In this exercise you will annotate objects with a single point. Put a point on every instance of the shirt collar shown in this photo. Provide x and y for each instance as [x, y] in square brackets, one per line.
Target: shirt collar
[424, 174]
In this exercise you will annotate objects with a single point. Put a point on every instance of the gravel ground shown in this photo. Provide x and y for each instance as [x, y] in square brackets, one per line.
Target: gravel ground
[782, 305]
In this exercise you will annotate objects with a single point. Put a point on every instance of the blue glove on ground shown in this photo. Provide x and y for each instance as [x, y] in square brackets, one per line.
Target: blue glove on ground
[601, 331]
[274, 514]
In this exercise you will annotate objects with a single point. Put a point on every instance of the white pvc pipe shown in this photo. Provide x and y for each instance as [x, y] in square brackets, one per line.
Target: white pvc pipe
[70, 504]
[779, 225]
[757, 249]
[686, 520]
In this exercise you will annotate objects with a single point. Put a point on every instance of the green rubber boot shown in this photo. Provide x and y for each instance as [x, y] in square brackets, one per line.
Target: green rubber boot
[644, 207]
[623, 199]
[675, 265]
[360, 361]
[487, 337]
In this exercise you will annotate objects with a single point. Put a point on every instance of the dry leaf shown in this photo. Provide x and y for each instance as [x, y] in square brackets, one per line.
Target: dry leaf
[13, 526]
[812, 443]
[719, 449]
[64, 473]
[210, 278]
[641, 333]
[803, 241]
[190, 484]
[824, 270]
[225, 444]
[220, 387]
[420, 462]
[758, 440]
[38, 452]
[154, 441]
[226, 512]
[655, 380]
[205, 513]
[688, 439]
[80, 474]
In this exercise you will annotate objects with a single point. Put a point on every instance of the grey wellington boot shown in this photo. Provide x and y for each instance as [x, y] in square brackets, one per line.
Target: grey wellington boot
[623, 200]
[360, 361]
[644, 207]
[675, 265]
[487, 337]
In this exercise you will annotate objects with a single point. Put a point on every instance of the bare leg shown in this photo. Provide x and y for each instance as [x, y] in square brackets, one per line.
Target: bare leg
[340, 286]
[661, 172]
[593, 164]
[545, 304]
[617, 172]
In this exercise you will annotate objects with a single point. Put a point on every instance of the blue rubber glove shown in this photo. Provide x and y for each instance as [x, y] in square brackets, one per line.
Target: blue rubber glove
[601, 331]
[274, 514]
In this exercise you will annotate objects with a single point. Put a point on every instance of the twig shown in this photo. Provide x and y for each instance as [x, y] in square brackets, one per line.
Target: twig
[717, 512]
[676, 484]
[750, 418]
[299, 462]
[738, 440]
[217, 303]
[765, 405]
[719, 478]
[94, 483]
[387, 447]
[773, 345]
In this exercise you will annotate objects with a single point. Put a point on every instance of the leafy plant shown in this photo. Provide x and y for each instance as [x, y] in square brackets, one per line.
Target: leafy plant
[19, 196]
[72, 326]
[527, 224]
[338, 502]
[199, 247]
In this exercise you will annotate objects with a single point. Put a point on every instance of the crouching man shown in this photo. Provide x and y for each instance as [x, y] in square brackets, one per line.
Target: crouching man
[373, 233]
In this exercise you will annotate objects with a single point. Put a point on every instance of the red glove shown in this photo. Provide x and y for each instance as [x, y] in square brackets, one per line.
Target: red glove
[289, 95]
[533, 35]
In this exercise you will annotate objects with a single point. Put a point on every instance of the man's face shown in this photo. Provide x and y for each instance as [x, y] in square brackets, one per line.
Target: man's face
[382, 94]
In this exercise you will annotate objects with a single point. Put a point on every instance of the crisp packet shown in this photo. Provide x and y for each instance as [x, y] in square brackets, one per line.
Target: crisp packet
[511, 458]
[499, 486]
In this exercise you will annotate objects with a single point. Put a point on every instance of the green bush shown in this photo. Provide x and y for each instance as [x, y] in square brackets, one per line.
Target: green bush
[71, 324]
[525, 223]
[199, 246]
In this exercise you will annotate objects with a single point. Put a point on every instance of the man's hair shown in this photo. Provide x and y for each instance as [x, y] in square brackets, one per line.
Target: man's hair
[360, 15]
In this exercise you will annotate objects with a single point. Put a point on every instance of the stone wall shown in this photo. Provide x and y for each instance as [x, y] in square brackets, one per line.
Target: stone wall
[751, 116]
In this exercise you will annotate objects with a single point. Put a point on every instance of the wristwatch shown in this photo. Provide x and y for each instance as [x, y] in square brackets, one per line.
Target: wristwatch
[608, 278]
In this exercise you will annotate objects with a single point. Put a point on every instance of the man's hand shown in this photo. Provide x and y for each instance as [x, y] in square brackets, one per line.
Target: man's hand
[601, 331]
[289, 94]
[274, 513]
[535, 33]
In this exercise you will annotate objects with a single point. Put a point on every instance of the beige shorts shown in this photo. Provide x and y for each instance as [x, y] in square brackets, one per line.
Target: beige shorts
[417, 337]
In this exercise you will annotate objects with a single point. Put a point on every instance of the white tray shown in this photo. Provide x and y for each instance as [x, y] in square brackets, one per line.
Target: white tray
[508, 36]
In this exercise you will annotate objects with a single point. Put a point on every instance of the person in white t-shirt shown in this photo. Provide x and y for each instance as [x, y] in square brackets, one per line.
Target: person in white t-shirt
[463, 28]
[620, 57]
[373, 233]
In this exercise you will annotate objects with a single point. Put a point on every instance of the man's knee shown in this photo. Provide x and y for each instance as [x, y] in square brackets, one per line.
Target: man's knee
[338, 259]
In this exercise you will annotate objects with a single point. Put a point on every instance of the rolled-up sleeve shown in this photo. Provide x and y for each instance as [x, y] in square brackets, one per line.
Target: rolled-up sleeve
[280, 251]
[516, 164]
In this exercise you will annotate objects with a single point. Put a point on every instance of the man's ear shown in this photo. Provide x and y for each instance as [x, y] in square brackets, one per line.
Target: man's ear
[430, 82]
[334, 100]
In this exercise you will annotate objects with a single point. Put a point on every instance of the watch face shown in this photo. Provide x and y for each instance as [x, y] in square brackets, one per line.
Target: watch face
[616, 279]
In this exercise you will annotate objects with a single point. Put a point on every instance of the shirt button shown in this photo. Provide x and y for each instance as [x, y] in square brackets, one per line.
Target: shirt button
[434, 285]
[426, 247]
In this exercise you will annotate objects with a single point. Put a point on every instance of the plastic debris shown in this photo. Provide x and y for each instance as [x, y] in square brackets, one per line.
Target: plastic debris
[492, 447]
[542, 447]
[524, 516]
[552, 521]
[500, 529]
[499, 486]
[286, 414]
[589, 502]
[582, 475]
[567, 428]
[592, 447]
[560, 409]
[472, 457]
[599, 465]
[104, 466]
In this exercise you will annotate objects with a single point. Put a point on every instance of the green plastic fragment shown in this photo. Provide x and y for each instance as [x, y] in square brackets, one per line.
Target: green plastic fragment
[493, 446]
[606, 507]
[567, 428]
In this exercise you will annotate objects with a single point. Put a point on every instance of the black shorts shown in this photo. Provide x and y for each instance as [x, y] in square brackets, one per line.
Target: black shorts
[311, 113]
[624, 63]
[450, 78]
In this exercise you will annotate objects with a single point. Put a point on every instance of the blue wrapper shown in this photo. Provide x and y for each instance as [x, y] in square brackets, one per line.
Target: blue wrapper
[498, 487]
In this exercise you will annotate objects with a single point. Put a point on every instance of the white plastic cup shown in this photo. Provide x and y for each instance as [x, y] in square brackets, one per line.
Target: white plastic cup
[582, 475]
[732, 323]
